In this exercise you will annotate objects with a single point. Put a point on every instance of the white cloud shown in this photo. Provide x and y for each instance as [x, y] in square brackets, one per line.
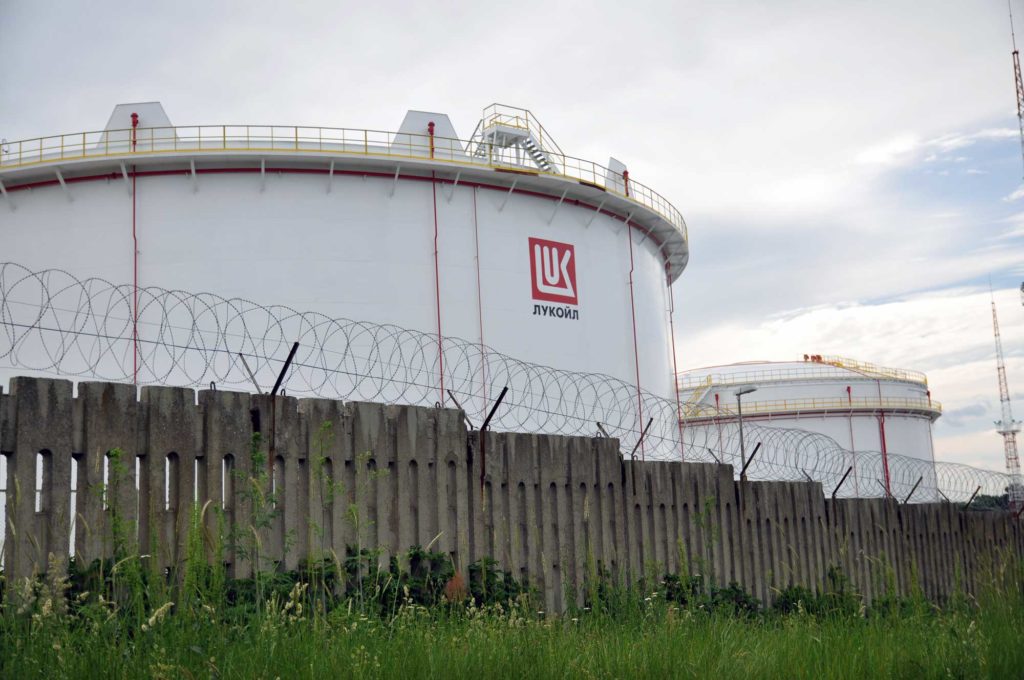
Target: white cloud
[948, 335]
[1016, 228]
[723, 106]
[890, 152]
[906, 149]
[955, 141]
[787, 172]
[1017, 194]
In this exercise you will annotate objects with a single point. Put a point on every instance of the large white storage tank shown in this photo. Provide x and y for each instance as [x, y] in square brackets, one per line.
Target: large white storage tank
[861, 406]
[497, 238]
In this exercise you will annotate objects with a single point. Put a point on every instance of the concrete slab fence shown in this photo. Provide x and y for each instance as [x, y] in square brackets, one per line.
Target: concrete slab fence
[551, 509]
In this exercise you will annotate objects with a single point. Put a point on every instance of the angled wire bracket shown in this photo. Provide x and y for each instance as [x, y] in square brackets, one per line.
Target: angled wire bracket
[455, 184]
[510, 190]
[841, 481]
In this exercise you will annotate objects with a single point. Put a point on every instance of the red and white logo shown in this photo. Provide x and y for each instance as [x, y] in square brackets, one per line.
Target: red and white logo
[553, 271]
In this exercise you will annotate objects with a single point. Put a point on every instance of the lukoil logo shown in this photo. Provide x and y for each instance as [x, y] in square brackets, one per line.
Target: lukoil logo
[553, 271]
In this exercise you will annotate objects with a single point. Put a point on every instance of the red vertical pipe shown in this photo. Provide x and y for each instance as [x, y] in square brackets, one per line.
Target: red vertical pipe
[885, 453]
[853, 448]
[437, 295]
[135, 290]
[480, 305]
[135, 267]
[881, 436]
[675, 369]
[636, 348]
[718, 421]
[931, 439]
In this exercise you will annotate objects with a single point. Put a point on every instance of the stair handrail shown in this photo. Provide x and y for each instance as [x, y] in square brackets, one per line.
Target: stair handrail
[514, 116]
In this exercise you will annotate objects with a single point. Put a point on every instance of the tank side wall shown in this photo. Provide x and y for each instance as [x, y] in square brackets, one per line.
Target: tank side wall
[363, 249]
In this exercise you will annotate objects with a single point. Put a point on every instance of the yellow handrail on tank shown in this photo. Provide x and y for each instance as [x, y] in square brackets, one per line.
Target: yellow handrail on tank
[687, 382]
[265, 139]
[829, 367]
[875, 370]
[786, 407]
[523, 119]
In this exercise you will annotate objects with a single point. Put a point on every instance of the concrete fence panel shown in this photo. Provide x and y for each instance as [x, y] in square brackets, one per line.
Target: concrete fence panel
[108, 471]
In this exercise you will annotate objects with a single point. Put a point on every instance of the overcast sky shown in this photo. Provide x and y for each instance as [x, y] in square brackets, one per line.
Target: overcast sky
[850, 172]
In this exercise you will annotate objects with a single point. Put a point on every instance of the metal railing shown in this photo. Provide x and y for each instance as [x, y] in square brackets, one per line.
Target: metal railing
[313, 140]
[690, 382]
[875, 370]
[510, 116]
[830, 367]
[789, 406]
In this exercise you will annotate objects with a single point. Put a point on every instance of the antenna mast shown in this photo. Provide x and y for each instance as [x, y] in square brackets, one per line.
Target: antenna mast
[1017, 79]
[1007, 427]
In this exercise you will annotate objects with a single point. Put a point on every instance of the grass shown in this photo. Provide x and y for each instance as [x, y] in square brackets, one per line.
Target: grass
[54, 632]
[417, 616]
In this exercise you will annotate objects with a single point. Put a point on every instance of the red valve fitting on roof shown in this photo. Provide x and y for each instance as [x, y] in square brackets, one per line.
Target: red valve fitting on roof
[430, 131]
[625, 180]
[135, 124]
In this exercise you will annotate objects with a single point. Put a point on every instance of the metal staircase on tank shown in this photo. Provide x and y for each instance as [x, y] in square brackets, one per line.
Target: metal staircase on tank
[507, 135]
[695, 401]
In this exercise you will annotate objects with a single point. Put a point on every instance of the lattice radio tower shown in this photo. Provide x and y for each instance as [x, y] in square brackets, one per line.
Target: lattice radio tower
[1007, 426]
[1017, 80]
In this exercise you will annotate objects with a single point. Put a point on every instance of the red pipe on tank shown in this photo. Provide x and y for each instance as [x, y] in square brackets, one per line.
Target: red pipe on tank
[718, 421]
[881, 434]
[480, 303]
[135, 291]
[437, 296]
[636, 346]
[625, 180]
[675, 369]
[437, 269]
[853, 449]
[885, 453]
[135, 267]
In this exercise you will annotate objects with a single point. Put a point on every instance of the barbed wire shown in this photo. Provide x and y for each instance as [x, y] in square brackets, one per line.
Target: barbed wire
[55, 323]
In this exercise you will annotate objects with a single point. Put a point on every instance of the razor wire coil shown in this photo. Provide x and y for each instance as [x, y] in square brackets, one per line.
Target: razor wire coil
[55, 323]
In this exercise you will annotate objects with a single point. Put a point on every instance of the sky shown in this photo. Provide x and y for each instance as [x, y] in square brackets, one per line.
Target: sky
[851, 173]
